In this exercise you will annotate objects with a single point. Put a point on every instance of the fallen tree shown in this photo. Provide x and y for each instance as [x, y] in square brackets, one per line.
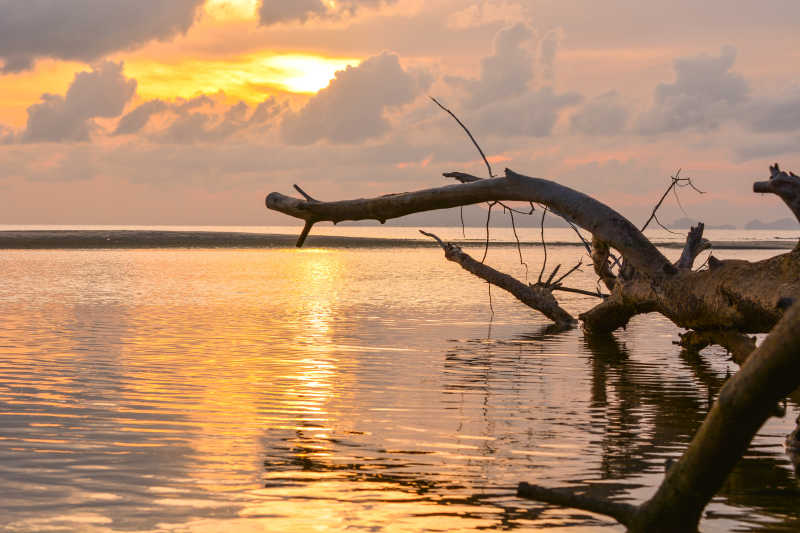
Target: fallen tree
[718, 305]
[732, 295]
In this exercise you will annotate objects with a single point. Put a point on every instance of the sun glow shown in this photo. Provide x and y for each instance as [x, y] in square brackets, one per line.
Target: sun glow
[231, 9]
[246, 78]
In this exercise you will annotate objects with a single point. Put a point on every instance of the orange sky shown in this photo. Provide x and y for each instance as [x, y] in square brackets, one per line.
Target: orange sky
[225, 100]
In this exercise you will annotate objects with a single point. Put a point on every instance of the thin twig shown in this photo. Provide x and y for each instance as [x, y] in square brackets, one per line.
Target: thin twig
[544, 245]
[570, 271]
[677, 181]
[491, 310]
[552, 275]
[597, 294]
[488, 166]
[461, 214]
[432, 236]
[488, 217]
[519, 246]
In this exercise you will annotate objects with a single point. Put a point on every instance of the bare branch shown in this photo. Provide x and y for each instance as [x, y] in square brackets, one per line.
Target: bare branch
[535, 297]
[303, 234]
[570, 271]
[739, 345]
[488, 166]
[579, 291]
[463, 177]
[622, 512]
[586, 212]
[304, 193]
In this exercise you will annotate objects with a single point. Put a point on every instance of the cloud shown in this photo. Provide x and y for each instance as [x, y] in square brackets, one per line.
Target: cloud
[6, 135]
[771, 146]
[277, 11]
[85, 30]
[486, 12]
[603, 115]
[548, 48]
[191, 126]
[352, 107]
[705, 94]
[506, 73]
[103, 92]
[775, 115]
[532, 115]
[138, 118]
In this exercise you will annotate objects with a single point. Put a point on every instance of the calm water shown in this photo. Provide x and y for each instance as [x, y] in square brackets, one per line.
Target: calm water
[336, 389]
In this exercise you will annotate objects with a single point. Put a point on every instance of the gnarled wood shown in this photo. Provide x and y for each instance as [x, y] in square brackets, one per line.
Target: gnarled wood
[732, 294]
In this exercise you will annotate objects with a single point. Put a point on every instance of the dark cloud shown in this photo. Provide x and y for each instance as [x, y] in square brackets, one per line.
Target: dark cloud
[352, 107]
[603, 115]
[705, 94]
[85, 30]
[277, 11]
[103, 92]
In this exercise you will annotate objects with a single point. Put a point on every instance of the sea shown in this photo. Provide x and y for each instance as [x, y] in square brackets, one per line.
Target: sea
[347, 387]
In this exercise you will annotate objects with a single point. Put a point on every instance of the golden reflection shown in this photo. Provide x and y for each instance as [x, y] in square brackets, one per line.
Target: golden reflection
[231, 378]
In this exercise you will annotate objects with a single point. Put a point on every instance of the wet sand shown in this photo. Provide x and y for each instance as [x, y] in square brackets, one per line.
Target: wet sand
[64, 239]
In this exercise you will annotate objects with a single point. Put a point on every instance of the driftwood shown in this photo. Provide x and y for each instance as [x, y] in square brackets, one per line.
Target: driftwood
[737, 295]
[719, 305]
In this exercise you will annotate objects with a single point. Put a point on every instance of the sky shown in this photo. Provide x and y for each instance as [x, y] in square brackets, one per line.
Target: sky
[184, 112]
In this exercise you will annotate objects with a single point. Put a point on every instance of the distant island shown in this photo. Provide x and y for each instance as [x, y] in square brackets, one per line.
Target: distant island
[686, 223]
[781, 223]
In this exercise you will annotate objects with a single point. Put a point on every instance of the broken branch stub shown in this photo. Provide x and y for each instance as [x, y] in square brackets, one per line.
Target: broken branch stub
[695, 244]
[785, 184]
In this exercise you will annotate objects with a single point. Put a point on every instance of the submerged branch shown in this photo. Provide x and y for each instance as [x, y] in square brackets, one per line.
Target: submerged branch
[621, 512]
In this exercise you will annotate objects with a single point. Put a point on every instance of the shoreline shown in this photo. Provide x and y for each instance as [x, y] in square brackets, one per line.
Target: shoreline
[137, 239]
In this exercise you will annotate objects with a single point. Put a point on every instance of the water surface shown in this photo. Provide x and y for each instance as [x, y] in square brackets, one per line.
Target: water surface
[337, 389]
